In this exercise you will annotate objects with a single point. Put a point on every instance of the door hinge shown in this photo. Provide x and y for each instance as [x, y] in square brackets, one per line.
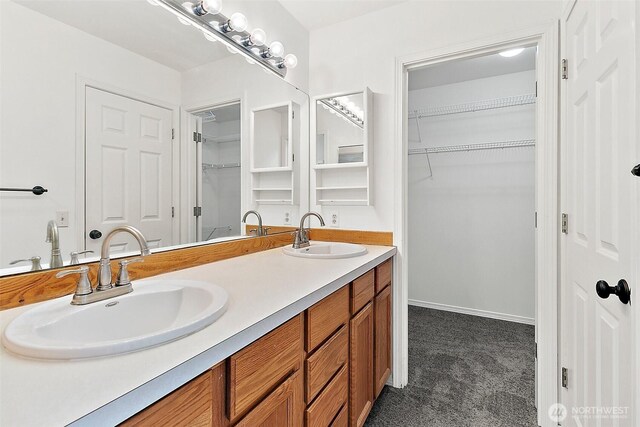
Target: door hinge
[565, 223]
[195, 136]
[536, 88]
[173, 212]
[197, 211]
[536, 355]
[199, 137]
[535, 220]
[173, 134]
[564, 69]
[565, 377]
[293, 114]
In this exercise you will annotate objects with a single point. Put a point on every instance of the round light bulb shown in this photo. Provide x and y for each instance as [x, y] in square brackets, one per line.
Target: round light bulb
[290, 61]
[258, 37]
[232, 50]
[250, 61]
[212, 7]
[153, 2]
[238, 22]
[209, 37]
[276, 49]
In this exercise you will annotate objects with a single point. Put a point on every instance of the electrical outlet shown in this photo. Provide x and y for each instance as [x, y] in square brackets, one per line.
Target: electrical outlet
[62, 218]
[334, 218]
[287, 218]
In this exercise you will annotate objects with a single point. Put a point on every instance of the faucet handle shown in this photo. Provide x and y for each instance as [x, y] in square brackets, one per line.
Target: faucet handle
[35, 262]
[83, 286]
[123, 274]
[74, 256]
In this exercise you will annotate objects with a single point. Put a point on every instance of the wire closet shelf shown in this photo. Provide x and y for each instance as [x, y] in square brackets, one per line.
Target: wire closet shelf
[474, 147]
[208, 166]
[471, 107]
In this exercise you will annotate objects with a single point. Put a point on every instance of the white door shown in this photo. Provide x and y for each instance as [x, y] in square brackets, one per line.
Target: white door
[128, 170]
[599, 195]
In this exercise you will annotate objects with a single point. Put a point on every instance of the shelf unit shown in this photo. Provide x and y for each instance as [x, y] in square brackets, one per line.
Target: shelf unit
[474, 147]
[343, 184]
[274, 184]
[472, 107]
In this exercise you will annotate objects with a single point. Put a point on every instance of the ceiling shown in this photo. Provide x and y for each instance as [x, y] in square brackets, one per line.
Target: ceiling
[146, 30]
[471, 69]
[223, 114]
[313, 14]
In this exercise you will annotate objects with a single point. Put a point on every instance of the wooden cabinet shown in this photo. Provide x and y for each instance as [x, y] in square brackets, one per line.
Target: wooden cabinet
[256, 369]
[281, 408]
[361, 366]
[382, 339]
[190, 405]
[323, 368]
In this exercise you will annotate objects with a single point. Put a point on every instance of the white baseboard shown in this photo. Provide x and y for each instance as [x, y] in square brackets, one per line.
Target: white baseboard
[473, 312]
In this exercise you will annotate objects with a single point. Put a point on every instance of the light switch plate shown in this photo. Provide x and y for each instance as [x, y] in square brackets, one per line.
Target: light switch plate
[62, 218]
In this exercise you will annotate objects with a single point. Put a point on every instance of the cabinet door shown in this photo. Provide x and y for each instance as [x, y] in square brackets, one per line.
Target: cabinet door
[190, 405]
[382, 339]
[361, 360]
[284, 407]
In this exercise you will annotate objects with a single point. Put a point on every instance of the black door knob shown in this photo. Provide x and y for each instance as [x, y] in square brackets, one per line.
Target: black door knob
[636, 170]
[621, 289]
[95, 234]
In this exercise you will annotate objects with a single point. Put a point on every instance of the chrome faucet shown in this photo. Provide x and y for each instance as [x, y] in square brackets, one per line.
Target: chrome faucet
[35, 263]
[54, 239]
[85, 294]
[301, 237]
[260, 231]
[104, 272]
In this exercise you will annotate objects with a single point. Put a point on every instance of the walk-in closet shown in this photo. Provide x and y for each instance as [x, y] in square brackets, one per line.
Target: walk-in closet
[220, 189]
[472, 184]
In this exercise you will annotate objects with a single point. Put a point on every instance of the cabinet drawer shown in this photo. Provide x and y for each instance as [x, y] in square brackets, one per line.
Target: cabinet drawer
[362, 291]
[281, 408]
[256, 369]
[190, 405]
[325, 317]
[342, 419]
[326, 361]
[383, 275]
[328, 404]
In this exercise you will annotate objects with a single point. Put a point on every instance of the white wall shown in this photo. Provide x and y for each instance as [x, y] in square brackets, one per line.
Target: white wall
[474, 211]
[41, 60]
[362, 52]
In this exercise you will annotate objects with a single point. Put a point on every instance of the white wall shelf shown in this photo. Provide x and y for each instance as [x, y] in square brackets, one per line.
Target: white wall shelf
[472, 107]
[346, 183]
[474, 147]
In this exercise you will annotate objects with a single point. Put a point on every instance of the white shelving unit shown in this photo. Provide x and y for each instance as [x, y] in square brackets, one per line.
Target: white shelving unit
[274, 131]
[342, 184]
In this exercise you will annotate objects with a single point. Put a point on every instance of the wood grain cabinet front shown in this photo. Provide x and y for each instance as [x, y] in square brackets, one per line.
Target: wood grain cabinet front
[327, 406]
[283, 407]
[382, 340]
[190, 405]
[258, 368]
[322, 365]
[362, 291]
[326, 317]
[361, 366]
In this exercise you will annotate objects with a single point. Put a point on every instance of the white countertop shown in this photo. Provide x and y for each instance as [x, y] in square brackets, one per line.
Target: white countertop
[265, 290]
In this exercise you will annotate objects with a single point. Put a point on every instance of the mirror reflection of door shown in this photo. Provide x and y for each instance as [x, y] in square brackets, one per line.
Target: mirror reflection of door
[218, 174]
[128, 170]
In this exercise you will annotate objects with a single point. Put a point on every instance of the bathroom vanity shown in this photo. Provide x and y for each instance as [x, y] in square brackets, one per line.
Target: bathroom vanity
[303, 342]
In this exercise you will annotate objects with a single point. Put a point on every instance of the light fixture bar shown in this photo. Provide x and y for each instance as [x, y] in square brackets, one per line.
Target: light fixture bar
[343, 110]
[216, 26]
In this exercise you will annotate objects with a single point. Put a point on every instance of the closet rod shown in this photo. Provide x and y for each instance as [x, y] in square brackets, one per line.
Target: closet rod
[474, 147]
[490, 104]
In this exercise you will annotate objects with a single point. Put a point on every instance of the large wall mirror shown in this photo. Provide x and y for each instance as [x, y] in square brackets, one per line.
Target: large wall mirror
[127, 115]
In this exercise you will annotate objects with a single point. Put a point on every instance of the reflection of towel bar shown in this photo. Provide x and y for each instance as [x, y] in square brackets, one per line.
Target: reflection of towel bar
[37, 190]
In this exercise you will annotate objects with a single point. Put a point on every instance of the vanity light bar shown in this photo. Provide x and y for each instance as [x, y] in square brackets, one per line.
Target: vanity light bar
[343, 110]
[232, 32]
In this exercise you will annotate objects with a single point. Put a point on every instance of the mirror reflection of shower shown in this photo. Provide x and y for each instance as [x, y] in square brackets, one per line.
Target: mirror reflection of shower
[219, 158]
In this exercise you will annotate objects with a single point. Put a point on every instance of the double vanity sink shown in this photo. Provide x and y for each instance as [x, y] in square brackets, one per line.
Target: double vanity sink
[158, 311]
[123, 353]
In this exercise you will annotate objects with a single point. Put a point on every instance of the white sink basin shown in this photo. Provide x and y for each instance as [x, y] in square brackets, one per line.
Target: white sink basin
[327, 250]
[157, 311]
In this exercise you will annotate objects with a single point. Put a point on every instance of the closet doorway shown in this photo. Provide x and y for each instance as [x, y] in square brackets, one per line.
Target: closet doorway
[218, 172]
[471, 128]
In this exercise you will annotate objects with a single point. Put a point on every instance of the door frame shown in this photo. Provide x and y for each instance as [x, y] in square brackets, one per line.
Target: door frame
[82, 83]
[547, 200]
[188, 160]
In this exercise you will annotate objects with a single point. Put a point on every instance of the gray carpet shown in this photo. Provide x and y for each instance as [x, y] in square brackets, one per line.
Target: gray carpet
[463, 371]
